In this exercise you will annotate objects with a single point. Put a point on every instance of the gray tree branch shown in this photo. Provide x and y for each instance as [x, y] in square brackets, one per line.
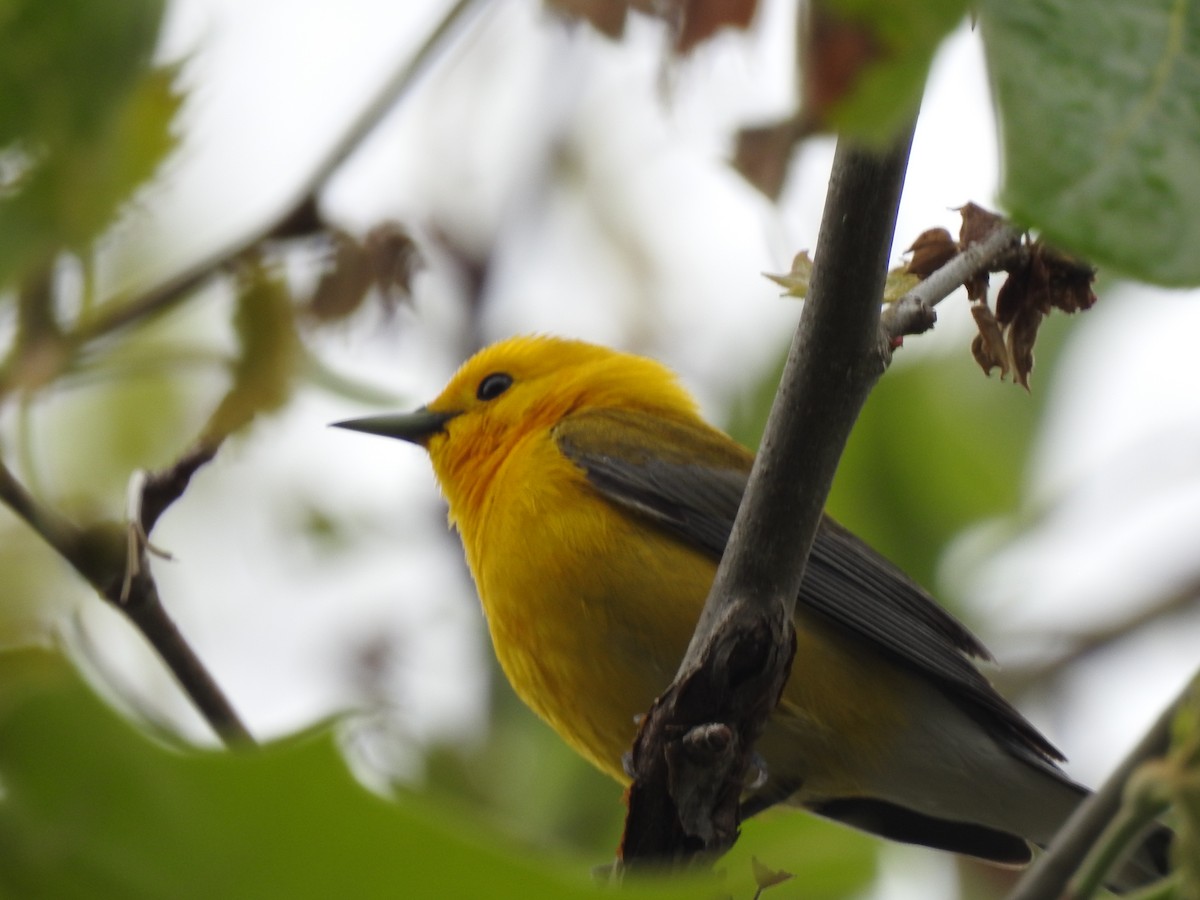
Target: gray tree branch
[694, 746]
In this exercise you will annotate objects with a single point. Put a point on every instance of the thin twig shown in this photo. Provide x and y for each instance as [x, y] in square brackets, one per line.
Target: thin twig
[138, 597]
[1048, 876]
[1020, 679]
[100, 554]
[143, 607]
[54, 529]
[164, 487]
[913, 313]
[161, 297]
[694, 746]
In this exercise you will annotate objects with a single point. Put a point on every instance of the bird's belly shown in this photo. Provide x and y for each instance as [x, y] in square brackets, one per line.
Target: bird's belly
[591, 632]
[843, 703]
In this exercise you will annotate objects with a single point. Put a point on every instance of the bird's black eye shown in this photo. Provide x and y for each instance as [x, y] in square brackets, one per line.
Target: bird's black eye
[494, 385]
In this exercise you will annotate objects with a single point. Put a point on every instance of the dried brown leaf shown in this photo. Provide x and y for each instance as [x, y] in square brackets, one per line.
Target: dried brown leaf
[764, 153]
[345, 284]
[836, 51]
[606, 16]
[988, 347]
[977, 286]
[387, 259]
[977, 224]
[1022, 335]
[1068, 280]
[701, 19]
[1024, 288]
[394, 259]
[931, 250]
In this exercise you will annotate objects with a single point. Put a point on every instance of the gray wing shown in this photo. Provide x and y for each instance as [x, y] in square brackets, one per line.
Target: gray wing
[845, 581]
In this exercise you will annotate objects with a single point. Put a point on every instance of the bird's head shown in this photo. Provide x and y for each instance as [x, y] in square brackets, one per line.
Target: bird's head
[516, 388]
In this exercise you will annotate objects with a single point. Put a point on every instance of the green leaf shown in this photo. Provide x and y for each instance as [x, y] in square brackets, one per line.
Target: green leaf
[269, 354]
[887, 91]
[1184, 784]
[84, 121]
[1101, 128]
[67, 66]
[91, 808]
[825, 860]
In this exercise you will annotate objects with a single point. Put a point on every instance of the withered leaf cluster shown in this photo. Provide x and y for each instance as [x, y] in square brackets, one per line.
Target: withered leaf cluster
[386, 259]
[1039, 279]
[692, 21]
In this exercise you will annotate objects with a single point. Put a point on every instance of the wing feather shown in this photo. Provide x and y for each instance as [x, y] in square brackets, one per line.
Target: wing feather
[688, 479]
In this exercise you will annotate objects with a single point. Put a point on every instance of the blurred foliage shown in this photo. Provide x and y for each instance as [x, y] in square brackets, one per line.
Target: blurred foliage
[1182, 783]
[268, 354]
[84, 121]
[1099, 120]
[865, 61]
[117, 815]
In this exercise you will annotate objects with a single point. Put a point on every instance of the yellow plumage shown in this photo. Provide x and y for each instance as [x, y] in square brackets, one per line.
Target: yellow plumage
[593, 503]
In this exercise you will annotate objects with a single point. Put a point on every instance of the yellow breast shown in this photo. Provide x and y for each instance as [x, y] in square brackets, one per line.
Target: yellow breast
[590, 611]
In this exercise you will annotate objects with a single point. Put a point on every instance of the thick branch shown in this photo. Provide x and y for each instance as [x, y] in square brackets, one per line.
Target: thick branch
[693, 749]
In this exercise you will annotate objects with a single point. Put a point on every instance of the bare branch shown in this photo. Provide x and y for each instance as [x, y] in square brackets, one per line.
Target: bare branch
[112, 559]
[54, 529]
[693, 748]
[145, 610]
[164, 487]
[1080, 646]
[165, 295]
[913, 313]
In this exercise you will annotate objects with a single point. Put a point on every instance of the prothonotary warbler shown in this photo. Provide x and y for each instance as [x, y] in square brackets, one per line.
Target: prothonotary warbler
[594, 504]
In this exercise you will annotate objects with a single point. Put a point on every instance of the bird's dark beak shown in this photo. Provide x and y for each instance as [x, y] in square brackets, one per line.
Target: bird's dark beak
[416, 427]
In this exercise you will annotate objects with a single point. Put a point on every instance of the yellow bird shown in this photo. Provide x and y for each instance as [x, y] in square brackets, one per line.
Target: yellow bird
[594, 503]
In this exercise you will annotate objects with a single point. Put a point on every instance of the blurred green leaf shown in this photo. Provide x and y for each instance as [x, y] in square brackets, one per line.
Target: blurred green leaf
[1185, 787]
[527, 780]
[91, 808]
[827, 860]
[1100, 126]
[67, 65]
[136, 402]
[902, 36]
[36, 587]
[268, 355]
[938, 447]
[84, 121]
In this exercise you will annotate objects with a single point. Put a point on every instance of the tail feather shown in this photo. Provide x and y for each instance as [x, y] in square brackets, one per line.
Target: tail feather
[899, 824]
